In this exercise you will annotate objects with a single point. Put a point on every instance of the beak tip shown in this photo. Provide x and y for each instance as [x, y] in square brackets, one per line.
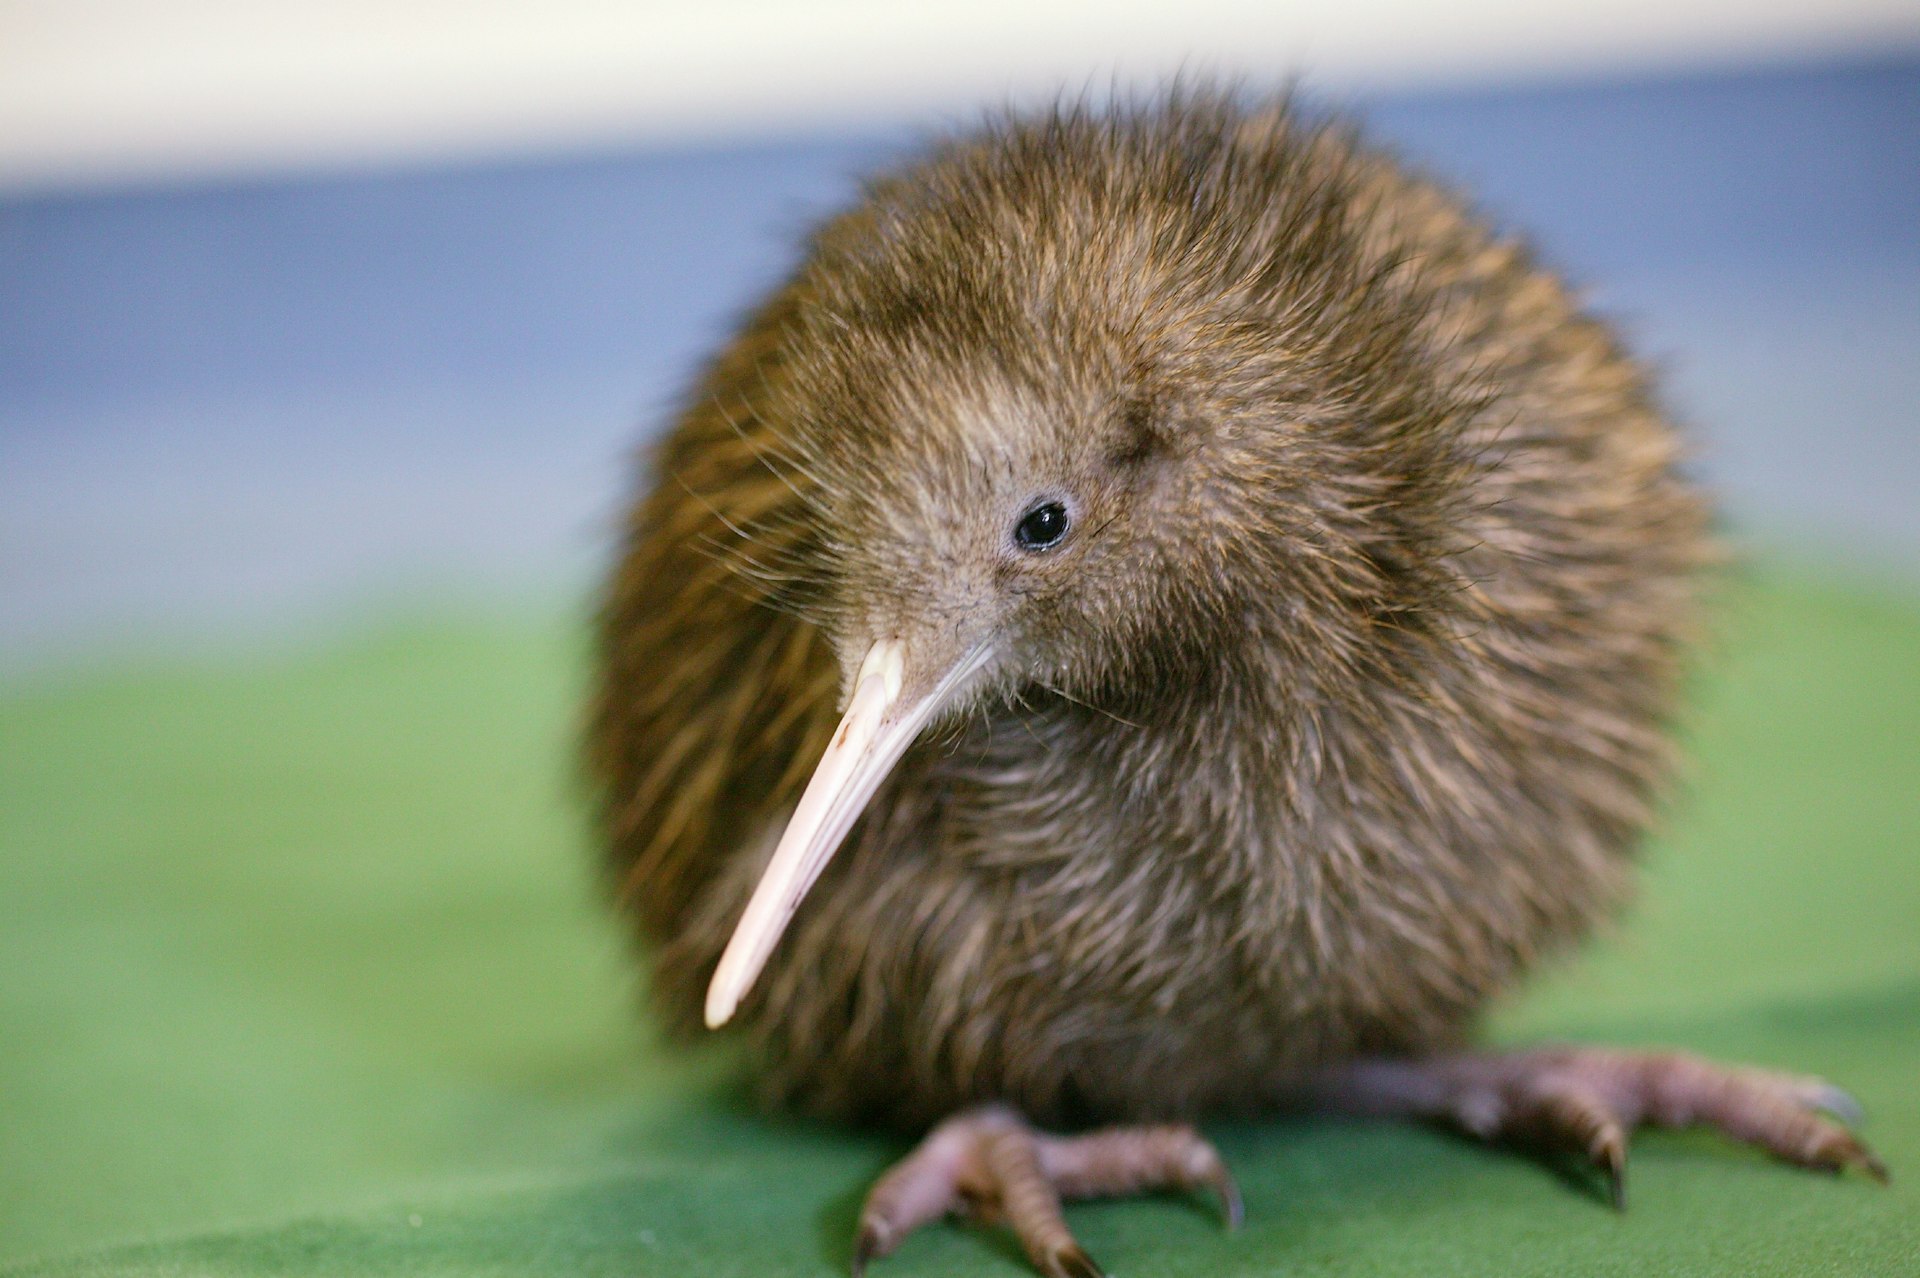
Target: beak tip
[719, 1009]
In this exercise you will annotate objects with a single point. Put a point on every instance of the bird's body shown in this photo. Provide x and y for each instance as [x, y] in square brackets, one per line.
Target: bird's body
[1342, 700]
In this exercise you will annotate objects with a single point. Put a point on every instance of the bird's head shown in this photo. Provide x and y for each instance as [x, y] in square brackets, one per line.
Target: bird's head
[1072, 409]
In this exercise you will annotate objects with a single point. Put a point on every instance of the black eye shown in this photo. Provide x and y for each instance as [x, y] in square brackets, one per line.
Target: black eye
[1041, 527]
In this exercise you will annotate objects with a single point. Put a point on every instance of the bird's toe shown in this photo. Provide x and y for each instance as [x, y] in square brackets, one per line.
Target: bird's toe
[990, 1166]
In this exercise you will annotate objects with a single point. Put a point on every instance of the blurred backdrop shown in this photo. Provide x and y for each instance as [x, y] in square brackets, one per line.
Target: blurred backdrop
[327, 336]
[308, 310]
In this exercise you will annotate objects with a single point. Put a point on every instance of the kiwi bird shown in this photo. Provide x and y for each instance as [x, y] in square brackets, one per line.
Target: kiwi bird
[1163, 612]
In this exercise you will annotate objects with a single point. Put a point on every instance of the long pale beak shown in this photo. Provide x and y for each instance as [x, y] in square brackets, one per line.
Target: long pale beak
[875, 731]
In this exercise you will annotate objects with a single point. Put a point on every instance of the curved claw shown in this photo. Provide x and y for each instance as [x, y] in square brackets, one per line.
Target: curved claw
[1233, 1209]
[1836, 1101]
[1072, 1262]
[1612, 1158]
[1853, 1152]
[866, 1247]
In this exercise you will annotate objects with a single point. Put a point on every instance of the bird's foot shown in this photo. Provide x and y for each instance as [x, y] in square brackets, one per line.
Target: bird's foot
[988, 1164]
[1586, 1102]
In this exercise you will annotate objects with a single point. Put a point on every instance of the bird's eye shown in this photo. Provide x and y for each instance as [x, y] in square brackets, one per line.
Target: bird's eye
[1042, 527]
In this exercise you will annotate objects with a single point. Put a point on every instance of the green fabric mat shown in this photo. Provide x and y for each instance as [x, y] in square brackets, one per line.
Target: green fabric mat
[302, 972]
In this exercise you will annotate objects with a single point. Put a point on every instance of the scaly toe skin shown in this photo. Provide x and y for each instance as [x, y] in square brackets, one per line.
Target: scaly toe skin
[1836, 1101]
[1588, 1101]
[1782, 1114]
[1785, 1115]
[1117, 1161]
[989, 1166]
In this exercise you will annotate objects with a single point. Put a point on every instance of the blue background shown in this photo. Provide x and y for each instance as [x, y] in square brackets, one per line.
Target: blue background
[231, 409]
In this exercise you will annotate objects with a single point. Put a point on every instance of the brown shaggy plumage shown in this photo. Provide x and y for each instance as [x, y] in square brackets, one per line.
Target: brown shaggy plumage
[1346, 701]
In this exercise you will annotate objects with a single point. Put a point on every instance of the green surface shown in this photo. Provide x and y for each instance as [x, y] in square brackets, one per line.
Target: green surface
[301, 971]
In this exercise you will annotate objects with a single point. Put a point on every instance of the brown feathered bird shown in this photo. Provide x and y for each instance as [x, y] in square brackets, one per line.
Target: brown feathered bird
[1163, 612]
